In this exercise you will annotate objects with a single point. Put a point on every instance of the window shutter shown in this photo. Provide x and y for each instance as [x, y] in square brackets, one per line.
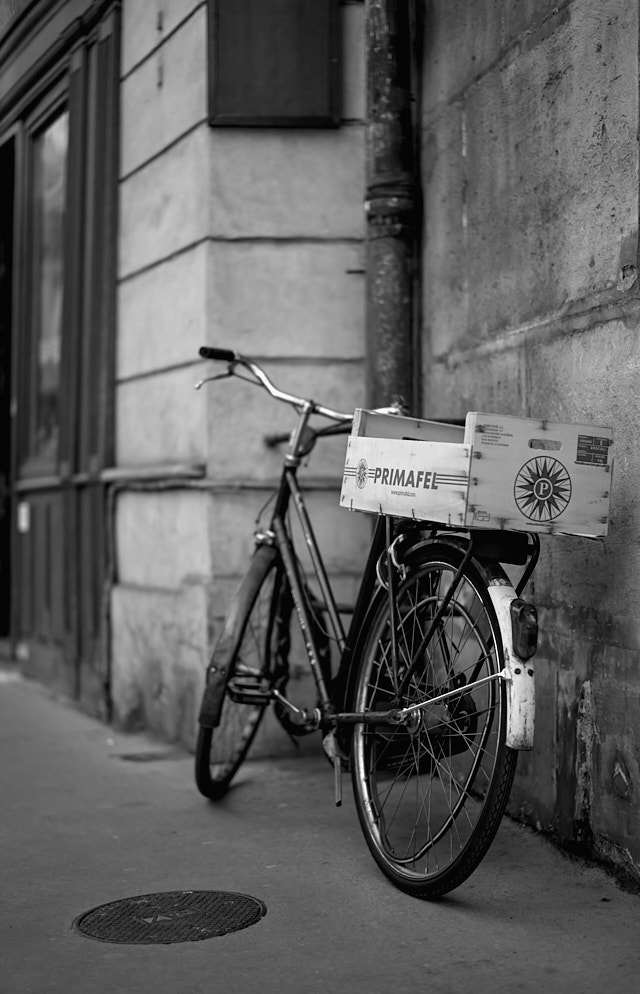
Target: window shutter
[274, 63]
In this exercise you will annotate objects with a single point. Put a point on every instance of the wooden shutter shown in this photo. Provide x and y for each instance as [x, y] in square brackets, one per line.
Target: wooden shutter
[274, 63]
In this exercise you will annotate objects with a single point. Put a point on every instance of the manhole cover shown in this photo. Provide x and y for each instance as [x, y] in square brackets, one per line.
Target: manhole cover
[175, 916]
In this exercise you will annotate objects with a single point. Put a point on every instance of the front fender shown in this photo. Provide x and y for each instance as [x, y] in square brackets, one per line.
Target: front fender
[226, 647]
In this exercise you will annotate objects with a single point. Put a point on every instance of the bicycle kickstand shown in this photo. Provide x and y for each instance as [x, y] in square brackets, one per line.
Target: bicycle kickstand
[331, 749]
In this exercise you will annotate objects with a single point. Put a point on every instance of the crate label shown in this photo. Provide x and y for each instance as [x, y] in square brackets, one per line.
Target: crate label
[593, 450]
[407, 478]
[481, 516]
[494, 435]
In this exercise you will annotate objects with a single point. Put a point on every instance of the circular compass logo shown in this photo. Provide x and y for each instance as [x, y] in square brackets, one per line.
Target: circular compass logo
[362, 473]
[542, 489]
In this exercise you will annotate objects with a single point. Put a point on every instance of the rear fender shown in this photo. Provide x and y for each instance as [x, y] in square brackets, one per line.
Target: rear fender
[520, 672]
[521, 699]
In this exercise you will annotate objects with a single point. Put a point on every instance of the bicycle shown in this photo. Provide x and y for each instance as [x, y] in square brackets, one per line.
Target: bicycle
[433, 692]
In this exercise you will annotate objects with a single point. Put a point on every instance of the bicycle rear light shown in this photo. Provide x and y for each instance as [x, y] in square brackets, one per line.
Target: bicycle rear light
[524, 626]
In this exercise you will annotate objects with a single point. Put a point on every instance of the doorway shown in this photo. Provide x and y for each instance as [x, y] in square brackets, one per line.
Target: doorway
[58, 235]
[7, 197]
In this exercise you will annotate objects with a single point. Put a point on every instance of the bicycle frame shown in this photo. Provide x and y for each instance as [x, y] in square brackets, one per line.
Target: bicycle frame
[517, 671]
[289, 492]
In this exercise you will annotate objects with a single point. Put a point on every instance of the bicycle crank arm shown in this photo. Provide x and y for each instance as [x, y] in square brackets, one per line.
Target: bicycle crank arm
[301, 716]
[392, 717]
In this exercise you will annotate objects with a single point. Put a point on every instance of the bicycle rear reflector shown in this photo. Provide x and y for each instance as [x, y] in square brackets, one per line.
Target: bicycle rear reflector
[524, 626]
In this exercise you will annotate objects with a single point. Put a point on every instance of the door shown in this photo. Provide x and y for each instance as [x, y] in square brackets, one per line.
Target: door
[63, 334]
[7, 195]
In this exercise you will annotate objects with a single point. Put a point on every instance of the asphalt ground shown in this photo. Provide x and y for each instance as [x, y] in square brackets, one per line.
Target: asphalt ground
[89, 816]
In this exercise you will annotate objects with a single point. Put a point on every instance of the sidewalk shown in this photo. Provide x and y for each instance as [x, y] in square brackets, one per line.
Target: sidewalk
[89, 816]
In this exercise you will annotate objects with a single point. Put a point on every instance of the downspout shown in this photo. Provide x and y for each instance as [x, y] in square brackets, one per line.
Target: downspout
[393, 205]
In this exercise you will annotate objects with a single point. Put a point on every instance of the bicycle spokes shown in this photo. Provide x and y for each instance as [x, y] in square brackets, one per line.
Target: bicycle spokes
[426, 778]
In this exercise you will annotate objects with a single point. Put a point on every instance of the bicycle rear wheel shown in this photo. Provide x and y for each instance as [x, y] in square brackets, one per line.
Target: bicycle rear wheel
[248, 647]
[430, 792]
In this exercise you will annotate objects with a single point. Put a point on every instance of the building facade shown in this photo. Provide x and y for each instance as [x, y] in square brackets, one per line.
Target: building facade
[157, 195]
[187, 207]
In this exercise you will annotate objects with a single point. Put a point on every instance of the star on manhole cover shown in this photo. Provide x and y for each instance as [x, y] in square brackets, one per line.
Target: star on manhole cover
[173, 916]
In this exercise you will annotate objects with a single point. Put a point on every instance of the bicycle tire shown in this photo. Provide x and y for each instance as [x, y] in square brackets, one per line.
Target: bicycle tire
[430, 793]
[245, 647]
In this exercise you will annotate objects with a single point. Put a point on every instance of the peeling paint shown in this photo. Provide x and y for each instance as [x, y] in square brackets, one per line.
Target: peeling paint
[586, 735]
[621, 778]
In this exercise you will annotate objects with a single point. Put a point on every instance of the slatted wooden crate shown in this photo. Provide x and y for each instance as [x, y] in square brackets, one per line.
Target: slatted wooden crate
[496, 472]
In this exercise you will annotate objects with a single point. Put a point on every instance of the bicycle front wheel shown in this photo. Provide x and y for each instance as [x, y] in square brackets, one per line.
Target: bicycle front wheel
[430, 791]
[248, 646]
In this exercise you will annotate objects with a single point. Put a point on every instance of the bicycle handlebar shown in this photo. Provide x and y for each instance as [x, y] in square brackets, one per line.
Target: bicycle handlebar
[235, 359]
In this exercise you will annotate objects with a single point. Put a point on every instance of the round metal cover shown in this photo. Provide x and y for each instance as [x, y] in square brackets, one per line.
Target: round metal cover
[175, 916]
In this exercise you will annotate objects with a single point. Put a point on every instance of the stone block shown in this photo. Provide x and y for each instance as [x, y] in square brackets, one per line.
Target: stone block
[445, 283]
[287, 298]
[240, 416]
[162, 319]
[343, 538]
[591, 378]
[162, 538]
[166, 95]
[164, 207]
[461, 40]
[615, 817]
[146, 24]
[160, 419]
[520, 16]
[277, 183]
[493, 383]
[551, 169]
[159, 656]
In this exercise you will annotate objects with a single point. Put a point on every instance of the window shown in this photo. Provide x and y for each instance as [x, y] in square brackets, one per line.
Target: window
[49, 196]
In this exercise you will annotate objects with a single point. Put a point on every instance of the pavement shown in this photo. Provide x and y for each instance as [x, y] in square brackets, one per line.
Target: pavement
[89, 816]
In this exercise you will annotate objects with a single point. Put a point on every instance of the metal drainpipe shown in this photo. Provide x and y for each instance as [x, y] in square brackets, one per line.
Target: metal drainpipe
[392, 205]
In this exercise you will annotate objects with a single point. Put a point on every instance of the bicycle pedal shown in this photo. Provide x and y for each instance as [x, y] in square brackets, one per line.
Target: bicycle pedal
[247, 690]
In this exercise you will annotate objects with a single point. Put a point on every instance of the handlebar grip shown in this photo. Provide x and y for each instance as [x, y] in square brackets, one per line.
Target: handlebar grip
[225, 355]
[276, 439]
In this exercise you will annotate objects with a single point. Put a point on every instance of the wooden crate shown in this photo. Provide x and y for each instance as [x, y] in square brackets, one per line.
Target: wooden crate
[496, 472]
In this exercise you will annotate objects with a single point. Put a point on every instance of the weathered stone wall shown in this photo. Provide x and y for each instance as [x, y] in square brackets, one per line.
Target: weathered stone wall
[244, 238]
[530, 171]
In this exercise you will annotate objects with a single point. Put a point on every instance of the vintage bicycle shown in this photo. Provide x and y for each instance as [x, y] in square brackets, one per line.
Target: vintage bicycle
[429, 694]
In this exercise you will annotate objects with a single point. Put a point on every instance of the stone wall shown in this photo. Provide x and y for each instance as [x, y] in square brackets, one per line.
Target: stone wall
[530, 171]
[242, 238]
